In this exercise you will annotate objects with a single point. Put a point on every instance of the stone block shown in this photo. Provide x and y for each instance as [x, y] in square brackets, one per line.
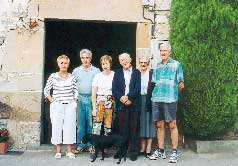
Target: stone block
[162, 32]
[24, 52]
[24, 134]
[219, 146]
[10, 82]
[143, 35]
[163, 4]
[26, 106]
[104, 10]
[162, 25]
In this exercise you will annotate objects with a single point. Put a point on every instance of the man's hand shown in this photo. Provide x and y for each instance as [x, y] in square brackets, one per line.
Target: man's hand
[180, 86]
[123, 99]
[128, 102]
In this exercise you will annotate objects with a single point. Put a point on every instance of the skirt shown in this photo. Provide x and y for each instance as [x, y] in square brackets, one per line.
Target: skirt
[147, 125]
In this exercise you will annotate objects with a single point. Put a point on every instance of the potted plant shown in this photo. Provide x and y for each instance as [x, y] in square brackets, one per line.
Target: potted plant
[4, 136]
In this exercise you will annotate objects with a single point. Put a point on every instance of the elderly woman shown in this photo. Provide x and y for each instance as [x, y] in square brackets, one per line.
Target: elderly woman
[63, 104]
[102, 99]
[147, 125]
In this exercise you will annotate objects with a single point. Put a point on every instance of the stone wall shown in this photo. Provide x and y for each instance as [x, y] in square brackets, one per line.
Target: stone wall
[22, 51]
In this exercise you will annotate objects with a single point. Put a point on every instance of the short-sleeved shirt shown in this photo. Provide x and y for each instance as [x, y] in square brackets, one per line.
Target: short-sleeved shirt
[85, 78]
[166, 78]
[103, 83]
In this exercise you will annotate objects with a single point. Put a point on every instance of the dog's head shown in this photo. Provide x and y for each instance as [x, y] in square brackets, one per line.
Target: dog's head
[86, 138]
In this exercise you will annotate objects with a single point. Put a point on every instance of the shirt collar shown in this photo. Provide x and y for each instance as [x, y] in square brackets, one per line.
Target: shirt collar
[129, 70]
[82, 68]
[169, 61]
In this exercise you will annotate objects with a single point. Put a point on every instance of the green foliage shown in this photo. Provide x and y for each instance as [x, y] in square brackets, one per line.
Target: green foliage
[4, 135]
[204, 38]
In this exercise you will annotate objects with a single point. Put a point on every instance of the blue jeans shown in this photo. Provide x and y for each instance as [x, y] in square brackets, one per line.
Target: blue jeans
[84, 122]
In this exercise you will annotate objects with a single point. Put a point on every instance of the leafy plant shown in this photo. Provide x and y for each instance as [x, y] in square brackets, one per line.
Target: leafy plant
[204, 38]
[4, 135]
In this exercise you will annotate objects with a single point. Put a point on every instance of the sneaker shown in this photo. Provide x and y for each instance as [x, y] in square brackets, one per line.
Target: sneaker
[174, 157]
[157, 154]
[70, 155]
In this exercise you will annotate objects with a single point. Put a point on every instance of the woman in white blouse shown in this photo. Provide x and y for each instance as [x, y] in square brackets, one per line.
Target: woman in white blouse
[102, 100]
[63, 104]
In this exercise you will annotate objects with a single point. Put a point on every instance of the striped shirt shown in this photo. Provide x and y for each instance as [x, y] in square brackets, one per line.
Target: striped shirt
[64, 91]
[167, 77]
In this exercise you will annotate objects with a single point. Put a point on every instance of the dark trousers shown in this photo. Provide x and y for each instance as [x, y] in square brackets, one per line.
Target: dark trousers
[129, 127]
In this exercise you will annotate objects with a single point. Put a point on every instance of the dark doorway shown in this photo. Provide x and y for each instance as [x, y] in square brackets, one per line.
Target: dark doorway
[69, 37]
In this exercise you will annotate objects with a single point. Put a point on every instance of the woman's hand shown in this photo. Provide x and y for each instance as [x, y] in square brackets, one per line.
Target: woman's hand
[94, 113]
[51, 99]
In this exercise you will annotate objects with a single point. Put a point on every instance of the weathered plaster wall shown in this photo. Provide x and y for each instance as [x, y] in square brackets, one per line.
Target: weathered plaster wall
[21, 67]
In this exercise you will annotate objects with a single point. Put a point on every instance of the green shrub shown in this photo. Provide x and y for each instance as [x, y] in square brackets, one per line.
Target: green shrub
[204, 38]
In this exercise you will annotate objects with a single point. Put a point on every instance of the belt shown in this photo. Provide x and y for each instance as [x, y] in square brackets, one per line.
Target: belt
[85, 95]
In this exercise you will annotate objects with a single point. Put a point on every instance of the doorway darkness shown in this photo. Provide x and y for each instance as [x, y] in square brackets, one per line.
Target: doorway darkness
[69, 37]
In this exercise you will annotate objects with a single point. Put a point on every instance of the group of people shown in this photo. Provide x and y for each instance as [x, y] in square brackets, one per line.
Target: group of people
[143, 101]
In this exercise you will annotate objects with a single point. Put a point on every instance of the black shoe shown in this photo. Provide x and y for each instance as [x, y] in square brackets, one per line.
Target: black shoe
[147, 155]
[142, 154]
[133, 157]
[116, 156]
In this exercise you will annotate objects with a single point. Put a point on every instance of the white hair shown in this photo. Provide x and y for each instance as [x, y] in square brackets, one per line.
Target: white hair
[144, 57]
[166, 45]
[124, 55]
[85, 51]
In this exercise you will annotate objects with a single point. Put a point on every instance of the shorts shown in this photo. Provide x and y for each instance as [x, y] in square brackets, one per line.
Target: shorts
[164, 111]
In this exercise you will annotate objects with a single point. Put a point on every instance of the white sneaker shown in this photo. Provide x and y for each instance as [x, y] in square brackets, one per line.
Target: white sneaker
[157, 154]
[174, 157]
[70, 155]
[57, 155]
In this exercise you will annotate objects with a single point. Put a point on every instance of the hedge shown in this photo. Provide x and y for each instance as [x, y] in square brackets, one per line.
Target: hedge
[204, 38]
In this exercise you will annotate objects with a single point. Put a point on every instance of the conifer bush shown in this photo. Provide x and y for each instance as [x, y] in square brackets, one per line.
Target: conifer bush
[204, 38]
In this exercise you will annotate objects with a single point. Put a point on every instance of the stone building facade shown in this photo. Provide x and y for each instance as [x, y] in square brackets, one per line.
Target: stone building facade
[22, 38]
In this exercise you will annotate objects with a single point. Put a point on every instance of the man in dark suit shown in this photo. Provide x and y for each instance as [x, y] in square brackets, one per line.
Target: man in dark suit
[126, 87]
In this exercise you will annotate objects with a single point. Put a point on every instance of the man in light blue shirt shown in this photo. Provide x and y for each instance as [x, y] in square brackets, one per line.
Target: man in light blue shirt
[84, 75]
[169, 80]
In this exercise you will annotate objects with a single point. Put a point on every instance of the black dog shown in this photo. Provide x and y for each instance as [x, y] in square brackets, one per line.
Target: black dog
[100, 142]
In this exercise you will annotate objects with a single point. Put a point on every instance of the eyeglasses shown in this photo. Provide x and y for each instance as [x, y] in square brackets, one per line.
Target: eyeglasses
[143, 62]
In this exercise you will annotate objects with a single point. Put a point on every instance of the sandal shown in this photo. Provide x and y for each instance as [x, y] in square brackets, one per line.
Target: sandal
[57, 155]
[70, 155]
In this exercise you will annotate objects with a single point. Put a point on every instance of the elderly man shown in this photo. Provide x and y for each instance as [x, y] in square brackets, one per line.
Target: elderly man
[126, 87]
[84, 75]
[169, 80]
